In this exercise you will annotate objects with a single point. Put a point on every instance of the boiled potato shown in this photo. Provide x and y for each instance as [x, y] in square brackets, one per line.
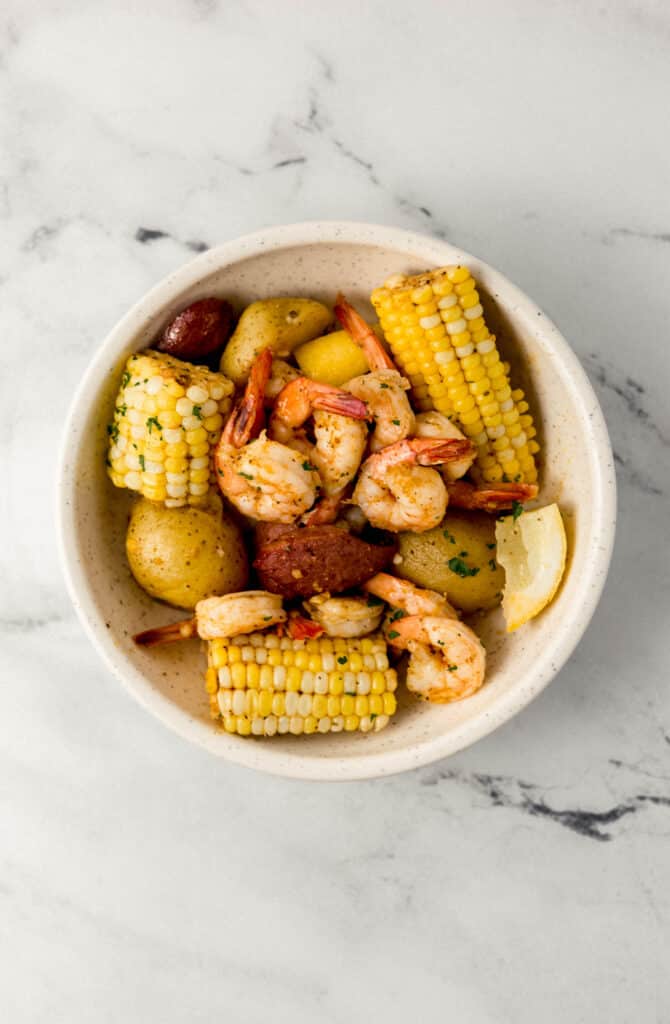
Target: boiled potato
[181, 555]
[332, 359]
[457, 558]
[279, 324]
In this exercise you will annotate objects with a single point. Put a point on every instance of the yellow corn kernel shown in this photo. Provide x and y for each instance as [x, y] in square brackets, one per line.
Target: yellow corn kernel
[293, 678]
[301, 659]
[376, 704]
[238, 675]
[211, 680]
[347, 704]
[170, 418]
[319, 705]
[196, 436]
[176, 450]
[253, 675]
[351, 723]
[265, 703]
[361, 706]
[336, 682]
[390, 703]
[333, 704]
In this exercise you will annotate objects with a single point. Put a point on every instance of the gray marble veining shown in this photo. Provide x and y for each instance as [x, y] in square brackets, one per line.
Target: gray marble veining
[525, 879]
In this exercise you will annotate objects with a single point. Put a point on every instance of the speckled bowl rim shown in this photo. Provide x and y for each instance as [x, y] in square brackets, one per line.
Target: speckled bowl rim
[265, 756]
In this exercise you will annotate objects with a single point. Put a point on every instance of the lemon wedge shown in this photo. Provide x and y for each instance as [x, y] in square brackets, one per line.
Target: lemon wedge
[532, 550]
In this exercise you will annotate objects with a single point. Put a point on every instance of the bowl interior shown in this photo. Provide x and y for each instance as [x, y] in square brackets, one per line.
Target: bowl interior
[170, 681]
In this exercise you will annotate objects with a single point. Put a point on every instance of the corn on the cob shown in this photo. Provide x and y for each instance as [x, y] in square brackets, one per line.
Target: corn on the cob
[435, 326]
[167, 418]
[262, 684]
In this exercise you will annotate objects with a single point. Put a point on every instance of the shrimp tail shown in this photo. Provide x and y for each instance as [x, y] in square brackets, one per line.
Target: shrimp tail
[171, 634]
[325, 511]
[248, 416]
[425, 451]
[335, 400]
[300, 628]
[429, 451]
[354, 324]
[489, 499]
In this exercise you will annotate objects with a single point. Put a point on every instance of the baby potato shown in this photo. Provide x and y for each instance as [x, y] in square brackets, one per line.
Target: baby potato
[181, 555]
[279, 324]
[457, 559]
[332, 359]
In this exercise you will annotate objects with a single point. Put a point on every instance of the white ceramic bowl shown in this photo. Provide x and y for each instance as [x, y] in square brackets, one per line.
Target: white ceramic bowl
[318, 259]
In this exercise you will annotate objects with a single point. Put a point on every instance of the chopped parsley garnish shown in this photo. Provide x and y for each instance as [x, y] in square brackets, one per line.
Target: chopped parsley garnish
[396, 423]
[342, 660]
[152, 422]
[141, 461]
[398, 614]
[517, 509]
[449, 537]
[373, 715]
[392, 634]
[122, 409]
[125, 380]
[374, 601]
[462, 554]
[308, 467]
[491, 545]
[493, 565]
[451, 668]
[267, 618]
[197, 411]
[113, 431]
[350, 693]
[383, 386]
[247, 476]
[458, 566]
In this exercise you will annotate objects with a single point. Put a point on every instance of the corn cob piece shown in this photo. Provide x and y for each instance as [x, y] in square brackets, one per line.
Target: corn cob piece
[434, 323]
[167, 418]
[262, 684]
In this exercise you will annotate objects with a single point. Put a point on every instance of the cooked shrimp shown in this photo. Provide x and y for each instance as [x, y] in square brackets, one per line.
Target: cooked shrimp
[489, 499]
[216, 617]
[298, 400]
[408, 597]
[383, 389]
[340, 435]
[384, 393]
[338, 449]
[281, 374]
[262, 478]
[436, 424]
[447, 660]
[344, 616]
[397, 491]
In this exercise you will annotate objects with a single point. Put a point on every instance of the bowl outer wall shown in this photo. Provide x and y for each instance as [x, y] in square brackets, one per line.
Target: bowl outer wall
[266, 756]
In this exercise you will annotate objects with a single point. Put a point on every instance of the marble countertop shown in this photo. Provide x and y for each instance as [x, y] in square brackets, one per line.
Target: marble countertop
[526, 878]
